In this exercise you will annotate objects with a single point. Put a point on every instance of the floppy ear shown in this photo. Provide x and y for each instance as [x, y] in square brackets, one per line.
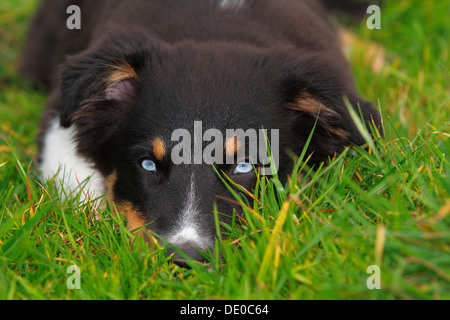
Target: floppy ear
[98, 89]
[316, 98]
[92, 84]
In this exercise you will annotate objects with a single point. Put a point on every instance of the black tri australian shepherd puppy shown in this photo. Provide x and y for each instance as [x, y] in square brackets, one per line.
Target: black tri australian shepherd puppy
[137, 77]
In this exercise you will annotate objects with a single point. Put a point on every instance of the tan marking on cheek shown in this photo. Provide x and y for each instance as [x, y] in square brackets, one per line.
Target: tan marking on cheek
[121, 72]
[232, 145]
[110, 183]
[159, 148]
[134, 218]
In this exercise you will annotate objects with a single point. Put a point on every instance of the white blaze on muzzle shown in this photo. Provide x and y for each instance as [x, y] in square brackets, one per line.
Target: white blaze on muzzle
[188, 230]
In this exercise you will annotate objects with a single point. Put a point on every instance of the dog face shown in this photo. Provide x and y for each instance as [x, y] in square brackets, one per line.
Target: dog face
[126, 100]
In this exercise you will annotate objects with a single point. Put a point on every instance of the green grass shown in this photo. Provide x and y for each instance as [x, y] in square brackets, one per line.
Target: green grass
[387, 206]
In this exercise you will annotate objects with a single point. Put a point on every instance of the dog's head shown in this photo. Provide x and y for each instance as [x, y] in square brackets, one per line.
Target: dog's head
[154, 120]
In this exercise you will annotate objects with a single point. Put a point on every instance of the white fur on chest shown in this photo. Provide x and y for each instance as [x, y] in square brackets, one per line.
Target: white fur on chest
[72, 172]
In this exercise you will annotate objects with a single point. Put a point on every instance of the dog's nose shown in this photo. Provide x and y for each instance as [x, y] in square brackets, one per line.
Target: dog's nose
[189, 251]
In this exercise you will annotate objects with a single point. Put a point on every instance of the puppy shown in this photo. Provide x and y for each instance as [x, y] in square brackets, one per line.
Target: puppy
[139, 71]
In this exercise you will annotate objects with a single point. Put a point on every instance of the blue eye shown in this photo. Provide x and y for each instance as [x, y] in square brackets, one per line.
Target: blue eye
[149, 165]
[243, 167]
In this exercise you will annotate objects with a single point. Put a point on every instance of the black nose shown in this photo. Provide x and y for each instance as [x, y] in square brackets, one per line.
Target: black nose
[189, 251]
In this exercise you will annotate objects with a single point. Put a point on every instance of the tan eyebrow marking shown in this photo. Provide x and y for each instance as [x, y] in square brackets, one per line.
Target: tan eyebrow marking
[232, 145]
[159, 148]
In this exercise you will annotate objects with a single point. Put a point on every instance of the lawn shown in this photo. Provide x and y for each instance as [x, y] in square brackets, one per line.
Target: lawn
[386, 205]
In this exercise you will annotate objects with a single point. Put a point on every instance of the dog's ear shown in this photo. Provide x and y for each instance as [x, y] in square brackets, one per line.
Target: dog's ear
[93, 83]
[99, 88]
[315, 96]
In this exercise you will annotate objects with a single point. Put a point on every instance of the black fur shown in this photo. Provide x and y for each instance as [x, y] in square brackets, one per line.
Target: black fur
[236, 68]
